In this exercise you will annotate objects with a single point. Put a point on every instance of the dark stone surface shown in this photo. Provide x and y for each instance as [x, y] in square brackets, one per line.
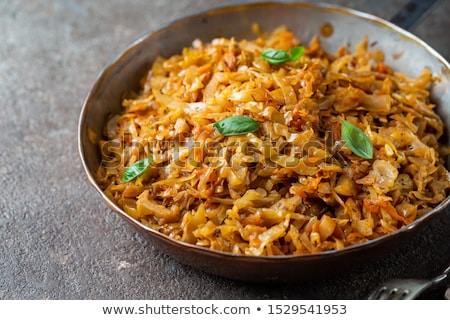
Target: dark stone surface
[58, 240]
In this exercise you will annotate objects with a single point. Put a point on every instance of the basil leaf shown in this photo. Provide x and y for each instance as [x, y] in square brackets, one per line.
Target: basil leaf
[356, 140]
[236, 125]
[276, 57]
[136, 169]
[296, 53]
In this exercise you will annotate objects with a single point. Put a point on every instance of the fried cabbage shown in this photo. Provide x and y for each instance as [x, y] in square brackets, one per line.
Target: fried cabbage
[293, 186]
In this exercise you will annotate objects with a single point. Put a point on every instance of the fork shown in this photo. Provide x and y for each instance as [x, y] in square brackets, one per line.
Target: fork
[407, 289]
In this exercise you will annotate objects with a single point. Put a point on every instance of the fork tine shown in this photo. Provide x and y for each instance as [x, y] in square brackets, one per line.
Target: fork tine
[378, 294]
[385, 293]
[390, 294]
[399, 294]
[400, 289]
[407, 289]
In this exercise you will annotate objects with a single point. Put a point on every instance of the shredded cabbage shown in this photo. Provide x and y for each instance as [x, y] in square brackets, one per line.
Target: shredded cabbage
[293, 186]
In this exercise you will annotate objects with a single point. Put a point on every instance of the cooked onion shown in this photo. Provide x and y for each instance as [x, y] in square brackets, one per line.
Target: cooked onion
[293, 186]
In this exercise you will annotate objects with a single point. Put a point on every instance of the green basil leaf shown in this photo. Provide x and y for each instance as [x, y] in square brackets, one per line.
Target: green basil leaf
[236, 125]
[356, 140]
[296, 53]
[136, 169]
[276, 57]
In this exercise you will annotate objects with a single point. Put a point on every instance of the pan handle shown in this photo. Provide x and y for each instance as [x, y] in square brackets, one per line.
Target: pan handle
[412, 13]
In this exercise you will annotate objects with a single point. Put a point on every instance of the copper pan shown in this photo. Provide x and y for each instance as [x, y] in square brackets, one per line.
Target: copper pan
[403, 51]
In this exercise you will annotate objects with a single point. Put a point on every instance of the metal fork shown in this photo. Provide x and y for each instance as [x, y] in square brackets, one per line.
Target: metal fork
[407, 289]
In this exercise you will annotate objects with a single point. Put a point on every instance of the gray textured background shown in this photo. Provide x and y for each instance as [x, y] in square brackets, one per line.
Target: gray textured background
[58, 240]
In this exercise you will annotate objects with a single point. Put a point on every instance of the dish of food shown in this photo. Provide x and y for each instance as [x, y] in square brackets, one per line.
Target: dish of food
[274, 144]
[241, 146]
